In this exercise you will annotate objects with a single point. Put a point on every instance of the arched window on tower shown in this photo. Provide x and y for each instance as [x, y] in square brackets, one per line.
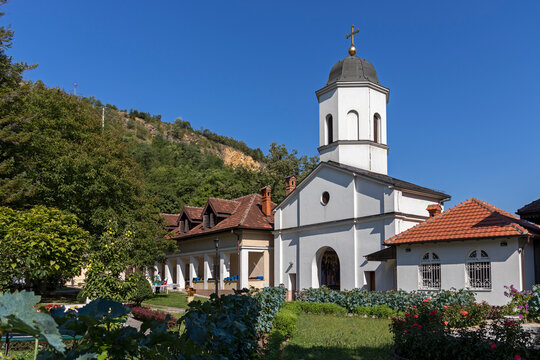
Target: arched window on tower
[377, 128]
[329, 129]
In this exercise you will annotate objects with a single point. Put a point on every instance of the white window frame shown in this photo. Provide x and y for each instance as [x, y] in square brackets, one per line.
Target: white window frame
[430, 264]
[478, 264]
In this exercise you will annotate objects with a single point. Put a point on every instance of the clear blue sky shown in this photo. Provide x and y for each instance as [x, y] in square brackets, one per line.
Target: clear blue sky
[464, 76]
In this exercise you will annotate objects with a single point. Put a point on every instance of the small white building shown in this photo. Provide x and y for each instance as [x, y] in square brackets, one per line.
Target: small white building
[473, 245]
[348, 206]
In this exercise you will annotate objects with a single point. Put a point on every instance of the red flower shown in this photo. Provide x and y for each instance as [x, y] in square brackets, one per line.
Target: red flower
[415, 316]
[433, 312]
[407, 315]
[517, 357]
[508, 323]
[405, 331]
[463, 312]
[446, 323]
[493, 346]
[444, 306]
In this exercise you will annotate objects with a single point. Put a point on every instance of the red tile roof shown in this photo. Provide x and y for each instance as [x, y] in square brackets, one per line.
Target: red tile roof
[471, 219]
[245, 213]
[192, 212]
[170, 219]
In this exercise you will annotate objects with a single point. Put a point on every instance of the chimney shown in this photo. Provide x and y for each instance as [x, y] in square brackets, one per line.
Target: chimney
[290, 184]
[266, 193]
[434, 210]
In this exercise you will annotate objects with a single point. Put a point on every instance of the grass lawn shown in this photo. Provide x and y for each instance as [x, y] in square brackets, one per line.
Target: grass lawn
[172, 299]
[332, 337]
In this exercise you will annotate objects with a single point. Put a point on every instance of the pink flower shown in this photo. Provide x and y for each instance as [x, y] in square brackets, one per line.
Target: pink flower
[405, 331]
[446, 323]
[433, 312]
[517, 357]
[493, 346]
[416, 316]
[444, 306]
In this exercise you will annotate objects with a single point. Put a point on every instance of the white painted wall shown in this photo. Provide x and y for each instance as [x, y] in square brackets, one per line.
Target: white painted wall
[505, 266]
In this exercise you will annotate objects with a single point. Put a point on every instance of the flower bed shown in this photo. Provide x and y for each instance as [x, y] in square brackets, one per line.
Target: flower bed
[425, 332]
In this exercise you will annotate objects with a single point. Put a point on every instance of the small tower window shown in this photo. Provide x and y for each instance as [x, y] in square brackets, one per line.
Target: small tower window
[329, 129]
[377, 128]
[325, 198]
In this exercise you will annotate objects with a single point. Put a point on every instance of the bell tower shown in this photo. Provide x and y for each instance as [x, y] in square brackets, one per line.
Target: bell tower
[352, 115]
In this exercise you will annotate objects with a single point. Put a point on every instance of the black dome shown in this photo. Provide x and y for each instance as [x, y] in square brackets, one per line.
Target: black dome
[353, 68]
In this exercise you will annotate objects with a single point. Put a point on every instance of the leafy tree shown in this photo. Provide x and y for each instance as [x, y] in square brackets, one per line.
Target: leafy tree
[38, 244]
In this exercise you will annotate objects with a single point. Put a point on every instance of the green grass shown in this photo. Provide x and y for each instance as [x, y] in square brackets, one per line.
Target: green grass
[172, 299]
[339, 337]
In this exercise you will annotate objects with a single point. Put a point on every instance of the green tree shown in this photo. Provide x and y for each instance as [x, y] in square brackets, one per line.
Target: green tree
[39, 244]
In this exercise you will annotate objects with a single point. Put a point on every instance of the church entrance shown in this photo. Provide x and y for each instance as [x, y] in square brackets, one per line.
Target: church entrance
[329, 269]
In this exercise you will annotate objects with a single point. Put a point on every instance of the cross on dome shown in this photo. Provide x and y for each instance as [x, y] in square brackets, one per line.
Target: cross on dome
[352, 49]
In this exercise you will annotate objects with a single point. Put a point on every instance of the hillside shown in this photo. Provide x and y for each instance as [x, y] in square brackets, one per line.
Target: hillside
[146, 127]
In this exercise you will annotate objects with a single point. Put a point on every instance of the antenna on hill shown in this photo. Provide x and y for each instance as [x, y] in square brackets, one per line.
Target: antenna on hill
[75, 88]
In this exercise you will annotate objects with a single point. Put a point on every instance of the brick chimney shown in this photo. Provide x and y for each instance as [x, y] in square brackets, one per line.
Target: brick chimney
[266, 207]
[290, 184]
[434, 210]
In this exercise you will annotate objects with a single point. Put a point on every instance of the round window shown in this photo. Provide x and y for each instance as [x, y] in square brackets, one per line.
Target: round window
[325, 198]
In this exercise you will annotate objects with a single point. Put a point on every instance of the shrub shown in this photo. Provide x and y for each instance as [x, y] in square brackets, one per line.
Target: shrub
[317, 308]
[397, 300]
[269, 300]
[383, 312]
[142, 289]
[224, 327]
[294, 307]
[459, 316]
[363, 310]
[285, 322]
[146, 314]
[521, 302]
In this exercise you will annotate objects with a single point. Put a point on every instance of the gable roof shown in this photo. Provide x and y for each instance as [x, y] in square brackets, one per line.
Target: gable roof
[471, 219]
[193, 213]
[530, 210]
[381, 178]
[170, 219]
[246, 213]
[221, 207]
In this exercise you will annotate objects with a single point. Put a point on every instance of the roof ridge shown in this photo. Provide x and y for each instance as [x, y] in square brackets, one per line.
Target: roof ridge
[428, 220]
[168, 214]
[501, 213]
[215, 198]
[192, 207]
[243, 218]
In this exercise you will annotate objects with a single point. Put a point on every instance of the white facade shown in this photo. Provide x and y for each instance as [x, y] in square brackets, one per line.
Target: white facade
[361, 213]
[510, 264]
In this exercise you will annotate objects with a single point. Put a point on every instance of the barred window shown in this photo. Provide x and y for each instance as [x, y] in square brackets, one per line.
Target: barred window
[478, 270]
[430, 271]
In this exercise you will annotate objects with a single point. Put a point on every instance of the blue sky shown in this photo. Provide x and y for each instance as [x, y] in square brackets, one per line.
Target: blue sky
[463, 115]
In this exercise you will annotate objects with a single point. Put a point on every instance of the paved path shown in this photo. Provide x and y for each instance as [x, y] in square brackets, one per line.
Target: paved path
[167, 309]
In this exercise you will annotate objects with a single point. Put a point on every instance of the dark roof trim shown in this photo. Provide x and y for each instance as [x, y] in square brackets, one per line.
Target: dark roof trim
[460, 239]
[382, 255]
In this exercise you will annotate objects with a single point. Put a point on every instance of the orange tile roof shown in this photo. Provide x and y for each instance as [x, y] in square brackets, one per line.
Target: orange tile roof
[247, 214]
[170, 219]
[222, 206]
[470, 219]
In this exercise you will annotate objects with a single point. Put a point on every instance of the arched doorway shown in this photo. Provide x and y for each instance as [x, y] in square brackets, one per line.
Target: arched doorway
[328, 269]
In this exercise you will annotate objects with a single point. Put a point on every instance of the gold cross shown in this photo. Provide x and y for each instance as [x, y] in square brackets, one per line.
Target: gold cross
[352, 49]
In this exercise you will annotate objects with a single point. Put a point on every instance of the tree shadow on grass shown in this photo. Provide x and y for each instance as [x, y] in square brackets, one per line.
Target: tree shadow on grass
[296, 352]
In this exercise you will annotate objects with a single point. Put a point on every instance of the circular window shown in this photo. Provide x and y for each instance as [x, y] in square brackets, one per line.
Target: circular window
[325, 198]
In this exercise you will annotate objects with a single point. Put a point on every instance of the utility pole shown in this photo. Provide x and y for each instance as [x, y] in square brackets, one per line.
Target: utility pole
[75, 88]
[102, 120]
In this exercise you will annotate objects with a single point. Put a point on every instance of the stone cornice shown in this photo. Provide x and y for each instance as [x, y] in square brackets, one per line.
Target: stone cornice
[352, 142]
[344, 84]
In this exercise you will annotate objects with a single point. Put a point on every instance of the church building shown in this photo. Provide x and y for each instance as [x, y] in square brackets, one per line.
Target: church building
[346, 208]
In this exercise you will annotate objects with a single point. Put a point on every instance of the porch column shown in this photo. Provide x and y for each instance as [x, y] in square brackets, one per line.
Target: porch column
[180, 278]
[225, 267]
[244, 269]
[208, 263]
[156, 271]
[193, 266]
[168, 272]
[148, 274]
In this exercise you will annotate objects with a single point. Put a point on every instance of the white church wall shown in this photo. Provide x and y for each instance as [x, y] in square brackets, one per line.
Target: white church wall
[378, 105]
[414, 204]
[384, 276]
[370, 197]
[289, 214]
[340, 187]
[353, 99]
[340, 239]
[288, 263]
[505, 266]
[327, 106]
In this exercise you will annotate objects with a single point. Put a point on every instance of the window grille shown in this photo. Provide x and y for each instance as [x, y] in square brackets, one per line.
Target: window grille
[478, 270]
[430, 272]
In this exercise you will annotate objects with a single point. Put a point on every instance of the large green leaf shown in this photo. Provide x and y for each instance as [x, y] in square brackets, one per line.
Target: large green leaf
[18, 315]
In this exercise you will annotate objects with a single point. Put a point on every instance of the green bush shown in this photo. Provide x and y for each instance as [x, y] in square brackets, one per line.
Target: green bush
[142, 289]
[383, 312]
[318, 308]
[294, 307]
[285, 322]
[363, 310]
